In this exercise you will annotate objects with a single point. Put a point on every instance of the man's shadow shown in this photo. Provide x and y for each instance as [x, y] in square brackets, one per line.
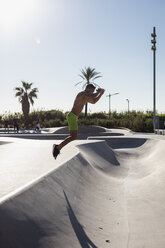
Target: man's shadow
[80, 233]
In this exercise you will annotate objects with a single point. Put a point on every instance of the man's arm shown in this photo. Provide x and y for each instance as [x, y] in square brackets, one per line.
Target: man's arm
[89, 97]
[93, 98]
[99, 96]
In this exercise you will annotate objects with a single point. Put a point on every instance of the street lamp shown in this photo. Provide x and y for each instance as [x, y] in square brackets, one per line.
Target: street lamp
[153, 48]
[110, 102]
[128, 104]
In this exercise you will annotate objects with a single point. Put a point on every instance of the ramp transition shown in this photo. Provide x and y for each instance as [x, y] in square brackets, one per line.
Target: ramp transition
[102, 197]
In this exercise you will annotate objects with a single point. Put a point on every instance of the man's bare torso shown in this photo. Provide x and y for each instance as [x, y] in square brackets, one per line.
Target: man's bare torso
[79, 103]
[86, 96]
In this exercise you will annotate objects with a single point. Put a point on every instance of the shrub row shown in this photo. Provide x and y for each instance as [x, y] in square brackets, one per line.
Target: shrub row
[135, 120]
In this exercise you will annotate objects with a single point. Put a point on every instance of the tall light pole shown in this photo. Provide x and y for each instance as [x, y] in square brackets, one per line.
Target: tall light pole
[128, 104]
[110, 102]
[153, 41]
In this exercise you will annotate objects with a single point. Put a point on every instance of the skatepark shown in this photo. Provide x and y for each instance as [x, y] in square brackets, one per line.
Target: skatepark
[105, 189]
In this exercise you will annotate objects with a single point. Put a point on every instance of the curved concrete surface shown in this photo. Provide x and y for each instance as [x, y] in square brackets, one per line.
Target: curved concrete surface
[62, 132]
[101, 197]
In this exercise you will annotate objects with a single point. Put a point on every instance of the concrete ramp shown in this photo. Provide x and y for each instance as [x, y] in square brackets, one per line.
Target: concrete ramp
[101, 197]
[122, 142]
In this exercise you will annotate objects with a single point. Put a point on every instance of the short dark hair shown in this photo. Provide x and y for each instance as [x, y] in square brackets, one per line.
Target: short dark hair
[90, 86]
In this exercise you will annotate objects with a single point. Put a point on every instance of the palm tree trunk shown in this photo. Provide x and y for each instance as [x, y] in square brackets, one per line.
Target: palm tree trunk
[86, 110]
[86, 105]
[25, 106]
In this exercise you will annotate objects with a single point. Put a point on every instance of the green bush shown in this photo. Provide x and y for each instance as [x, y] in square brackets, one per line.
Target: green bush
[135, 120]
[100, 115]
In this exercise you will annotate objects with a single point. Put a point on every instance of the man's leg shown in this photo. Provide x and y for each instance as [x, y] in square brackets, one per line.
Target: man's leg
[57, 148]
[73, 136]
[73, 127]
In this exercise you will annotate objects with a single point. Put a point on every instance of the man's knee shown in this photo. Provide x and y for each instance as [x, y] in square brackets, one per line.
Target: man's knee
[74, 136]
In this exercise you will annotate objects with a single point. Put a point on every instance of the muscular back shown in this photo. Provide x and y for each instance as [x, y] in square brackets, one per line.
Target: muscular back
[79, 103]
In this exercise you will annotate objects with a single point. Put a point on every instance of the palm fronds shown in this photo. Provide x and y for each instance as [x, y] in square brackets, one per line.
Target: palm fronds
[88, 75]
[26, 94]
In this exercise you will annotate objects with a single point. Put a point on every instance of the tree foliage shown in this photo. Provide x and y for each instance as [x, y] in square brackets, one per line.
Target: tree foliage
[134, 120]
[88, 76]
[26, 96]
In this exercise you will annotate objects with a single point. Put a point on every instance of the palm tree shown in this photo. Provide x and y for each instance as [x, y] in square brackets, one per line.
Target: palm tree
[88, 75]
[25, 96]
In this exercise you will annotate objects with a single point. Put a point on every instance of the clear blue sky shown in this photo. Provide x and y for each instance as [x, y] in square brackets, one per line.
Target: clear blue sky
[48, 42]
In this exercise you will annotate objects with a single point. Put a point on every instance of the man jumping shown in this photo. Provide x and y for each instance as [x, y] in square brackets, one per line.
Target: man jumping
[82, 98]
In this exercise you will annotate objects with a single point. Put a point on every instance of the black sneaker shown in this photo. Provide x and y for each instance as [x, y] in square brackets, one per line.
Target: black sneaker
[55, 151]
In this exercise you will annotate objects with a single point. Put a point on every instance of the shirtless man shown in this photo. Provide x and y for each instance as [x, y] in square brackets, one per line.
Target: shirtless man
[82, 98]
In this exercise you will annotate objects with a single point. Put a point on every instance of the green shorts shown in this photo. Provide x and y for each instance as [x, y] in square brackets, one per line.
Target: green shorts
[72, 121]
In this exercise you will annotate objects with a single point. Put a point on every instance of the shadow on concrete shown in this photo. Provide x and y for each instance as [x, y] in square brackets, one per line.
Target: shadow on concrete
[18, 231]
[118, 143]
[111, 134]
[99, 152]
[121, 142]
[4, 143]
[82, 237]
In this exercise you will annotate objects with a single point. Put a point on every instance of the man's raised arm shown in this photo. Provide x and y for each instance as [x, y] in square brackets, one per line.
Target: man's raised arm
[101, 92]
[93, 98]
